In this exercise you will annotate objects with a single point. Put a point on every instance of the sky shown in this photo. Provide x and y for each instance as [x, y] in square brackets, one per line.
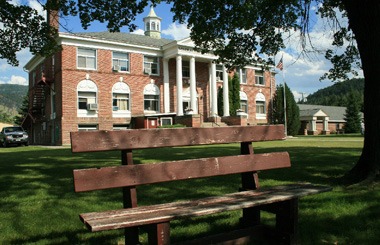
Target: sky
[300, 73]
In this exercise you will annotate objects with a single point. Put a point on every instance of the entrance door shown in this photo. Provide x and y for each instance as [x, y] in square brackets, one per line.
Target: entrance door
[152, 122]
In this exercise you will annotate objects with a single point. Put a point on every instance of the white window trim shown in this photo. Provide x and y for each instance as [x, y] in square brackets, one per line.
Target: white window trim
[89, 87]
[129, 62]
[121, 88]
[260, 75]
[150, 64]
[151, 89]
[96, 59]
[261, 98]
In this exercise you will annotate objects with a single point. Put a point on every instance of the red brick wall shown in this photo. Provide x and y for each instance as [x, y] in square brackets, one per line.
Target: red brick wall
[67, 76]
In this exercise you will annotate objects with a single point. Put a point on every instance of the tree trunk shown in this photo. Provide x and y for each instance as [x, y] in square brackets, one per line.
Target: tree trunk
[364, 19]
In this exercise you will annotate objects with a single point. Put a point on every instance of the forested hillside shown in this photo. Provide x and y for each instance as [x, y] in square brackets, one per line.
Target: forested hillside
[11, 97]
[337, 94]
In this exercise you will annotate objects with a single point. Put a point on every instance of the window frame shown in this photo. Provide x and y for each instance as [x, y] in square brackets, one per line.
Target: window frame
[149, 63]
[86, 57]
[259, 78]
[128, 67]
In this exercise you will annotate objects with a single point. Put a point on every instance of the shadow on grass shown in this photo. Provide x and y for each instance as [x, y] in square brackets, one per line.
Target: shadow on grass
[41, 207]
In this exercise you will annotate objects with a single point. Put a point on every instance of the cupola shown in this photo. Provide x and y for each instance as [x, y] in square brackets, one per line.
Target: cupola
[152, 25]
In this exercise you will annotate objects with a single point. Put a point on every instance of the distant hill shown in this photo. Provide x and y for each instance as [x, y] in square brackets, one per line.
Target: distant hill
[336, 94]
[11, 97]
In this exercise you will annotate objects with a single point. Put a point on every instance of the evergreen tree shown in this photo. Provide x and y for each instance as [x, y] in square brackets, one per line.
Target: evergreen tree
[5, 117]
[220, 101]
[292, 111]
[234, 95]
[22, 111]
[352, 116]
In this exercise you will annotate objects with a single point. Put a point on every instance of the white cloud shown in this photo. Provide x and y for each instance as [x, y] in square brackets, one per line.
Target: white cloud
[302, 71]
[177, 31]
[19, 80]
[138, 32]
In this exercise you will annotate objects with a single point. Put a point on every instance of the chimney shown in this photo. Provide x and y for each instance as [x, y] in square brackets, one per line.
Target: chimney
[52, 10]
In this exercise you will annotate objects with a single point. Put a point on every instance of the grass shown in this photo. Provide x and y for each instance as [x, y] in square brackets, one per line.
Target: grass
[38, 204]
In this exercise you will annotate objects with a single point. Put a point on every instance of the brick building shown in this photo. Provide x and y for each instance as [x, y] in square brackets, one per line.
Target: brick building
[116, 81]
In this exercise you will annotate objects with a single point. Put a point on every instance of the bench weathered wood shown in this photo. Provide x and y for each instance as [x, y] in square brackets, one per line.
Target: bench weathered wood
[281, 200]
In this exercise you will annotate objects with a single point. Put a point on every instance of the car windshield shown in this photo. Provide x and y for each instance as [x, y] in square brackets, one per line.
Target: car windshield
[13, 129]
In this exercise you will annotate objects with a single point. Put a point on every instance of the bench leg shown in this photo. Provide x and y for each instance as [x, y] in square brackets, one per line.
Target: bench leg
[287, 221]
[159, 234]
[131, 236]
[251, 217]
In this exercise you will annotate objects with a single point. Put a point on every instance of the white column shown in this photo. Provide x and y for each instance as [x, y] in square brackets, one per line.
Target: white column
[166, 86]
[226, 104]
[214, 93]
[193, 87]
[326, 124]
[314, 124]
[179, 86]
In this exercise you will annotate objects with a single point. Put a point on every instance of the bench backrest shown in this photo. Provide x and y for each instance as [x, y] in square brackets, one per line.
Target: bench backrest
[130, 175]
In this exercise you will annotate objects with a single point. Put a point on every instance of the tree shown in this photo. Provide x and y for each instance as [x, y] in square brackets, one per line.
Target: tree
[22, 111]
[250, 26]
[234, 95]
[293, 122]
[352, 116]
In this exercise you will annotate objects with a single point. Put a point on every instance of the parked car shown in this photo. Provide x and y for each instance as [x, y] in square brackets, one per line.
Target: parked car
[13, 135]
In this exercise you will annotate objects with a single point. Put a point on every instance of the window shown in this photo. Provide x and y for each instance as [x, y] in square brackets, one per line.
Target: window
[85, 127]
[87, 99]
[185, 68]
[151, 102]
[151, 98]
[242, 73]
[86, 59]
[147, 26]
[219, 72]
[151, 66]
[166, 121]
[153, 26]
[243, 102]
[120, 127]
[120, 61]
[259, 78]
[121, 100]
[260, 106]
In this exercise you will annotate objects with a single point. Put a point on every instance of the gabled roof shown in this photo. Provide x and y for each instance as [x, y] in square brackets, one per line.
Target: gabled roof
[126, 38]
[313, 113]
[335, 113]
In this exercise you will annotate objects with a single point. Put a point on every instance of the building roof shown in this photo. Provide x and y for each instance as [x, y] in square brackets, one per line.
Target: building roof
[335, 113]
[126, 38]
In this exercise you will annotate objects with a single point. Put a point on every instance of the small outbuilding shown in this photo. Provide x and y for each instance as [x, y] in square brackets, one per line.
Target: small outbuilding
[319, 119]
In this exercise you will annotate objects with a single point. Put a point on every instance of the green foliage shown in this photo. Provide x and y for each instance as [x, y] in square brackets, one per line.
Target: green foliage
[23, 27]
[292, 111]
[220, 101]
[338, 94]
[5, 117]
[22, 111]
[352, 116]
[234, 94]
[11, 97]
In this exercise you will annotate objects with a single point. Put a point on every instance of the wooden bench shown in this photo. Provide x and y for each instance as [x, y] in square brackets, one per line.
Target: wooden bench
[251, 199]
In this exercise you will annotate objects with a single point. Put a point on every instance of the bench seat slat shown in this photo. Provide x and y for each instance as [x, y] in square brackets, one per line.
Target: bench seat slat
[140, 174]
[165, 212]
[155, 138]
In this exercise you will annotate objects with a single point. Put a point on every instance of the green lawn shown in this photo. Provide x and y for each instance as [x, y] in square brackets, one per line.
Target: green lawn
[38, 204]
